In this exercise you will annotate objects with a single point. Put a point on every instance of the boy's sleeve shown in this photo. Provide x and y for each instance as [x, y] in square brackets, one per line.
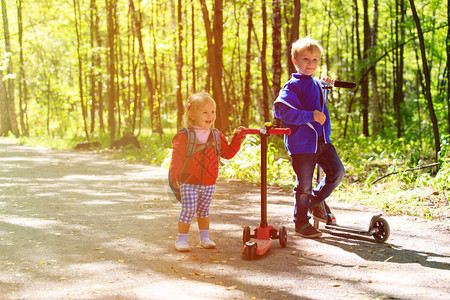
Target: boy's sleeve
[287, 107]
[229, 150]
[178, 155]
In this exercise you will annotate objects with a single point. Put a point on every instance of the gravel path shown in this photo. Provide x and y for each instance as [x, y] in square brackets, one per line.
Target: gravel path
[77, 225]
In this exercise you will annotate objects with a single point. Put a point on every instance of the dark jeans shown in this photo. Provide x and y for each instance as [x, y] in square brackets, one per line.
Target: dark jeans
[304, 165]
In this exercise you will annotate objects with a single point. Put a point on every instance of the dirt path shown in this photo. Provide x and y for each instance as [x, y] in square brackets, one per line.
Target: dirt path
[82, 226]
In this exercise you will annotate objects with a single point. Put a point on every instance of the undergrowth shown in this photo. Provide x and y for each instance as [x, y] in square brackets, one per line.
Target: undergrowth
[422, 193]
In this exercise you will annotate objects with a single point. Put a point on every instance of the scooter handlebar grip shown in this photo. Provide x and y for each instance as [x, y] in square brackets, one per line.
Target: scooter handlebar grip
[250, 131]
[345, 84]
[286, 131]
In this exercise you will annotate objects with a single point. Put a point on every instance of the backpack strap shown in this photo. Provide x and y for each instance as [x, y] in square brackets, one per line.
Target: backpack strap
[191, 146]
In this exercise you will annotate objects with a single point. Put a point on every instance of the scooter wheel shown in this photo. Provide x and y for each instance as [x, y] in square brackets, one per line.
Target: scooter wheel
[246, 235]
[250, 251]
[283, 237]
[383, 230]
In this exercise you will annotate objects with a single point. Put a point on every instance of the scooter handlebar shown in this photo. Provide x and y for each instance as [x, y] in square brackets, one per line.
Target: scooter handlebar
[339, 84]
[286, 131]
[345, 84]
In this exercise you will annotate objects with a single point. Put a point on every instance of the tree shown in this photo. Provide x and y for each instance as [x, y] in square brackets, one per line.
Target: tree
[77, 15]
[426, 72]
[8, 115]
[276, 48]
[179, 64]
[23, 90]
[214, 37]
[246, 99]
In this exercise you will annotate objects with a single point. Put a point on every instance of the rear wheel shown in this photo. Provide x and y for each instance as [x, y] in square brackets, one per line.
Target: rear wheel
[383, 230]
[283, 236]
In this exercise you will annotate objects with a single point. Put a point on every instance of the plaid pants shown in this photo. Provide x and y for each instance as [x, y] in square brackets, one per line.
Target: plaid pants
[195, 198]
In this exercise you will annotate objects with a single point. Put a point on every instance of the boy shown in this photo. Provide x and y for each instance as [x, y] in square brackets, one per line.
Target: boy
[301, 107]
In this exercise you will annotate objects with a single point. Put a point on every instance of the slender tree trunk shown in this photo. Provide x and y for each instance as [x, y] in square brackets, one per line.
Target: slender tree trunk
[365, 80]
[214, 37]
[10, 108]
[76, 7]
[426, 71]
[246, 100]
[92, 73]
[179, 65]
[376, 105]
[194, 81]
[293, 35]
[276, 48]
[137, 28]
[448, 66]
[265, 81]
[23, 90]
[398, 98]
[111, 93]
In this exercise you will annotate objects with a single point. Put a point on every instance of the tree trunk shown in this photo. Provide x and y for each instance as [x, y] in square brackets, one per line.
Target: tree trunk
[194, 81]
[376, 105]
[426, 71]
[448, 66]
[111, 92]
[10, 109]
[76, 7]
[246, 100]
[276, 48]
[214, 39]
[265, 81]
[292, 36]
[365, 80]
[398, 65]
[137, 28]
[179, 66]
[23, 90]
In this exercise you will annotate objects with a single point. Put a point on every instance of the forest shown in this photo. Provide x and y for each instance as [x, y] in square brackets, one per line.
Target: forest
[89, 70]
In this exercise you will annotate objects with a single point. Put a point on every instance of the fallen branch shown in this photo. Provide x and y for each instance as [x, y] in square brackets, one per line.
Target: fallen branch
[412, 169]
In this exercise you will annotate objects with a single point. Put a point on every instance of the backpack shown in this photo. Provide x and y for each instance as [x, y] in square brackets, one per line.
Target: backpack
[191, 149]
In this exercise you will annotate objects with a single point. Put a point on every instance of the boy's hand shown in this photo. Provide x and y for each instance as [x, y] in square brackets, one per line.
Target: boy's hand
[328, 80]
[319, 117]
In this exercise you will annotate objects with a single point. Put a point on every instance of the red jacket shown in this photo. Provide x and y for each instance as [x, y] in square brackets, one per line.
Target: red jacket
[203, 166]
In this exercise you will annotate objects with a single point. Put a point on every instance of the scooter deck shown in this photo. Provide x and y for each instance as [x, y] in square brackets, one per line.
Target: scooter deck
[348, 229]
[261, 246]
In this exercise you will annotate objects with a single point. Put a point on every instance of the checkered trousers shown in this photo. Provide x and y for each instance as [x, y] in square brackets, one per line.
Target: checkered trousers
[195, 198]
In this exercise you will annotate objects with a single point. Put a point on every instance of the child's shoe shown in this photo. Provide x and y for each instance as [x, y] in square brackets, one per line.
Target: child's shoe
[182, 247]
[308, 231]
[207, 244]
[318, 212]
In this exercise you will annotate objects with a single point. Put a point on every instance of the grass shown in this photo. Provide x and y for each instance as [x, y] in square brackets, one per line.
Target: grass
[421, 193]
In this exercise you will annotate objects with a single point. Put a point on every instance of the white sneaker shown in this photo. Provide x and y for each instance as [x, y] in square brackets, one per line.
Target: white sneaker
[208, 244]
[182, 247]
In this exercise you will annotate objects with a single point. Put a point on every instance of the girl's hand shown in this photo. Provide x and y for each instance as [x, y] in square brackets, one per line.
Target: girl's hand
[239, 130]
[328, 80]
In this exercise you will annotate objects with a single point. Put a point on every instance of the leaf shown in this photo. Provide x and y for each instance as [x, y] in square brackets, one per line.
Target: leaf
[233, 287]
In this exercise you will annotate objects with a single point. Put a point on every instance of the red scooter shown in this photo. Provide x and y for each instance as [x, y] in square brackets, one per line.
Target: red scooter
[259, 242]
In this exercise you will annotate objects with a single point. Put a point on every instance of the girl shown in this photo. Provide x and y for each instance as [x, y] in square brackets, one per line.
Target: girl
[198, 178]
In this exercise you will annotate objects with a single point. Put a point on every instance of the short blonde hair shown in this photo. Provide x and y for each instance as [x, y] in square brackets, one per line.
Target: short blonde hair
[193, 103]
[305, 44]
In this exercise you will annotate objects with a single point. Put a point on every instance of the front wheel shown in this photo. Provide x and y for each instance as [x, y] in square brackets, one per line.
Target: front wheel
[283, 237]
[383, 230]
[246, 235]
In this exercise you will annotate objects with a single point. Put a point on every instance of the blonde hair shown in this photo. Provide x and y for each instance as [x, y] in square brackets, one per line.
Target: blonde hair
[305, 44]
[193, 103]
